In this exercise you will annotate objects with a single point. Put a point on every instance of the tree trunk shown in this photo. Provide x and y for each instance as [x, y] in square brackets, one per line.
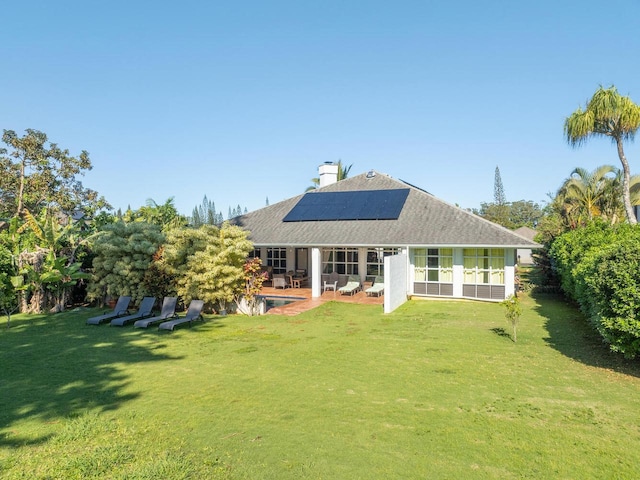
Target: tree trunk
[626, 196]
[21, 189]
[23, 304]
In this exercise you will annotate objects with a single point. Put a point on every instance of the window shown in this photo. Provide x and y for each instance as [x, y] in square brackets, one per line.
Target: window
[375, 260]
[340, 260]
[255, 253]
[433, 265]
[484, 266]
[277, 258]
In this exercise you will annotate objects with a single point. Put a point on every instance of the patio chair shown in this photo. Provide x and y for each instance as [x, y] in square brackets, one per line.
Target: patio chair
[168, 311]
[352, 286]
[377, 288]
[145, 310]
[279, 281]
[332, 283]
[120, 309]
[193, 313]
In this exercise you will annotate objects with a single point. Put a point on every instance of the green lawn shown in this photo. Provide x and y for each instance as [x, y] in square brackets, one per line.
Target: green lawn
[435, 390]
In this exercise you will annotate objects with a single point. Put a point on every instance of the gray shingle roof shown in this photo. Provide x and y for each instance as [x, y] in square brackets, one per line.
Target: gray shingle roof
[424, 220]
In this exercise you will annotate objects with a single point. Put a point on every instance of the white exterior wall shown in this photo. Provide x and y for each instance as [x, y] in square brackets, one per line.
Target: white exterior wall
[509, 272]
[395, 281]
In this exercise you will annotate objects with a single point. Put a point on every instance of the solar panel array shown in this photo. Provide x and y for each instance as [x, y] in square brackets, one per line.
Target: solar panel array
[356, 205]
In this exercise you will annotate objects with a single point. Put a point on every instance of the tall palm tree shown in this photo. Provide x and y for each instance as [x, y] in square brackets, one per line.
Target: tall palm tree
[607, 114]
[586, 195]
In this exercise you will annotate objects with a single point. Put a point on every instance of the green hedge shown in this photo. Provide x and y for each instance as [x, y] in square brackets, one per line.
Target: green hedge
[599, 268]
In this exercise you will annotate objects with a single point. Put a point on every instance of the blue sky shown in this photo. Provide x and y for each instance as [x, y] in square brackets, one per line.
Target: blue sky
[241, 101]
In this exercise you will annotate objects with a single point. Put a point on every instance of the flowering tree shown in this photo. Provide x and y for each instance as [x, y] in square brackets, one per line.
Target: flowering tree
[254, 278]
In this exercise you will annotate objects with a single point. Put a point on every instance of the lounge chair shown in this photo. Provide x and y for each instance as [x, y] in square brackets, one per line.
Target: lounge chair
[193, 313]
[352, 286]
[145, 310]
[120, 309]
[377, 288]
[168, 311]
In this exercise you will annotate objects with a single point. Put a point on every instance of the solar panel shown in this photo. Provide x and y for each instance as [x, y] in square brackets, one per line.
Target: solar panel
[358, 205]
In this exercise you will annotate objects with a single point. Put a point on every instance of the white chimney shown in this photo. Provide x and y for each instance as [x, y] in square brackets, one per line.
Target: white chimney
[328, 172]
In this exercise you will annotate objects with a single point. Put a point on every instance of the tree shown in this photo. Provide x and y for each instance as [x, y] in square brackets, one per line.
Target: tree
[254, 278]
[180, 246]
[205, 214]
[166, 216]
[208, 262]
[586, 195]
[38, 174]
[8, 284]
[46, 258]
[123, 254]
[216, 274]
[607, 114]
[512, 313]
[498, 190]
[525, 213]
[495, 213]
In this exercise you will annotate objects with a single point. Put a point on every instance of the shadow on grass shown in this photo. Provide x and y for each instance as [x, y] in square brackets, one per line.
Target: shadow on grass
[571, 334]
[501, 332]
[55, 366]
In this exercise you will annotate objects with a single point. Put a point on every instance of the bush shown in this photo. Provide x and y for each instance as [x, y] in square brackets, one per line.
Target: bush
[599, 268]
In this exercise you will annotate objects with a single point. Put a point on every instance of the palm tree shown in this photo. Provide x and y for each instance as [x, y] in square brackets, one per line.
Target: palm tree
[611, 115]
[586, 195]
[343, 172]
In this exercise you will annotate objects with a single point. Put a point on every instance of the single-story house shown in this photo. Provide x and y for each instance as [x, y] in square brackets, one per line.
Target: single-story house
[373, 225]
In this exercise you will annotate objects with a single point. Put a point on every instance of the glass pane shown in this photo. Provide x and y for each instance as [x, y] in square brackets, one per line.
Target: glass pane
[497, 263]
[497, 252]
[433, 262]
[432, 251]
[469, 262]
[446, 276]
[433, 275]
[420, 274]
[469, 252]
[446, 262]
[446, 252]
[469, 276]
[497, 278]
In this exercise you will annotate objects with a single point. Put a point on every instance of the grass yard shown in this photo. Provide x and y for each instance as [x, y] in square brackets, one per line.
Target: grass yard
[435, 390]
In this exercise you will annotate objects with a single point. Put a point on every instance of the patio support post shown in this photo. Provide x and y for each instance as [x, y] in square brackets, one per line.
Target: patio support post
[316, 272]
[458, 272]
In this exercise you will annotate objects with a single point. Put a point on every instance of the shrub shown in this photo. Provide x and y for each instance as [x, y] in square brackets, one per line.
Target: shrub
[599, 268]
